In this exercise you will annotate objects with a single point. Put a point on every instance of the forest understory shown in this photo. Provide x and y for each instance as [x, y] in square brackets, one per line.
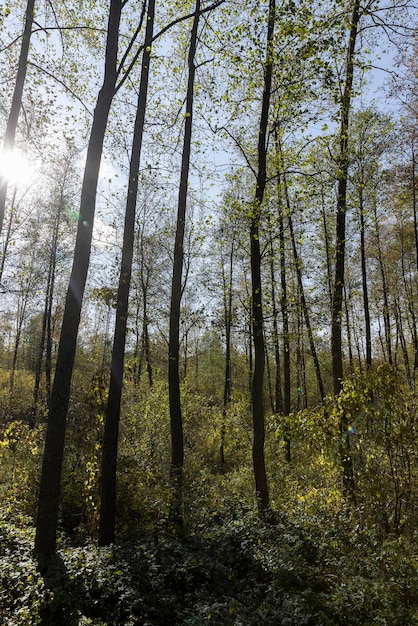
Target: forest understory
[317, 560]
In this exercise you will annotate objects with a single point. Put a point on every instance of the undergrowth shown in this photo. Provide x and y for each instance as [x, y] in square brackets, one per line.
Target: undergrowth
[316, 563]
[235, 571]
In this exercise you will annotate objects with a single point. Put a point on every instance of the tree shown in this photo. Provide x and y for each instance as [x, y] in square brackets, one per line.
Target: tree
[227, 270]
[46, 526]
[110, 441]
[176, 418]
[257, 387]
[61, 180]
[342, 163]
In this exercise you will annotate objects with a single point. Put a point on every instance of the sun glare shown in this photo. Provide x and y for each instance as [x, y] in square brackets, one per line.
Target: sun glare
[16, 168]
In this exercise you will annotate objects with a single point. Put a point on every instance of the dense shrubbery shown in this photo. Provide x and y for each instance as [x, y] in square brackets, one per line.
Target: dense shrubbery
[316, 563]
[316, 572]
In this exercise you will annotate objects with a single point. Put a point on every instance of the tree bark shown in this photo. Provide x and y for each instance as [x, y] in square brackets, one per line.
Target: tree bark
[111, 431]
[227, 297]
[385, 292]
[176, 418]
[364, 280]
[278, 406]
[339, 268]
[49, 491]
[257, 401]
[342, 172]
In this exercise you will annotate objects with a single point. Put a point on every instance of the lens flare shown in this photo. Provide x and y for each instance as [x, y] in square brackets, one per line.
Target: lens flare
[16, 168]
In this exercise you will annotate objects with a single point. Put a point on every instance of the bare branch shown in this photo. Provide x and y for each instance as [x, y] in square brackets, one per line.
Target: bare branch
[61, 82]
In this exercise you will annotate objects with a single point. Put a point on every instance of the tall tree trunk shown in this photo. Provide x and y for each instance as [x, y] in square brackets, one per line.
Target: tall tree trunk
[402, 341]
[250, 348]
[257, 400]
[301, 401]
[414, 209]
[283, 297]
[111, 430]
[46, 318]
[50, 324]
[340, 237]
[327, 247]
[227, 298]
[147, 347]
[282, 401]
[49, 491]
[176, 418]
[278, 395]
[11, 127]
[364, 280]
[41, 348]
[298, 267]
[385, 292]
[348, 327]
[342, 172]
[409, 295]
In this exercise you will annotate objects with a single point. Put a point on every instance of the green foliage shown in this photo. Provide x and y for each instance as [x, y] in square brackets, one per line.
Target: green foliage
[19, 405]
[20, 461]
[381, 416]
[317, 571]
[144, 459]
[314, 564]
[80, 478]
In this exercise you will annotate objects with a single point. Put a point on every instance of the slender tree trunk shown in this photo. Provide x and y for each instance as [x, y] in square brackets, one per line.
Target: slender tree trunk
[327, 247]
[227, 293]
[21, 310]
[364, 281]
[11, 127]
[41, 349]
[402, 341]
[147, 347]
[111, 431]
[301, 401]
[250, 349]
[278, 395]
[45, 342]
[257, 386]
[340, 237]
[348, 327]
[268, 373]
[409, 294]
[282, 401]
[284, 300]
[298, 267]
[176, 418]
[49, 491]
[414, 208]
[385, 293]
[50, 323]
[144, 277]
[342, 172]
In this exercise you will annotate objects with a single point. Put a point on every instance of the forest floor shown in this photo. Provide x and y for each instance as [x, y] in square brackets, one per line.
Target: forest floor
[229, 572]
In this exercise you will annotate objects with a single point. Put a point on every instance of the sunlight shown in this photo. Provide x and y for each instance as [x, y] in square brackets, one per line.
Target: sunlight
[16, 168]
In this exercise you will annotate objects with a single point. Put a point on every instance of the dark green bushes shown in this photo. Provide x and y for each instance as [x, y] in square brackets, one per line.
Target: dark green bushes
[316, 572]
